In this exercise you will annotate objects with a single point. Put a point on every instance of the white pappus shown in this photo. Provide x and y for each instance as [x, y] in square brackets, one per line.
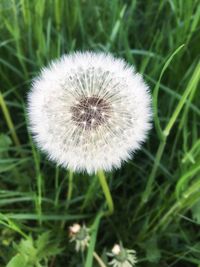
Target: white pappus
[89, 111]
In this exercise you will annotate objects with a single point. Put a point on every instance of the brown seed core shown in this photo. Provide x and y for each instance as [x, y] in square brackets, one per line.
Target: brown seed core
[90, 112]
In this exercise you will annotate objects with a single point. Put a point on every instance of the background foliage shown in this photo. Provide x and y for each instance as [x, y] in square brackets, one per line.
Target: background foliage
[156, 195]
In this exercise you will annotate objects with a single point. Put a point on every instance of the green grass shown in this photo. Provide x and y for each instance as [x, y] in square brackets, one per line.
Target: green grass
[157, 193]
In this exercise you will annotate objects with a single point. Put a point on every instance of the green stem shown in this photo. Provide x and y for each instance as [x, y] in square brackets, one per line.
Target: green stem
[152, 175]
[98, 259]
[70, 187]
[191, 87]
[9, 121]
[69, 194]
[106, 191]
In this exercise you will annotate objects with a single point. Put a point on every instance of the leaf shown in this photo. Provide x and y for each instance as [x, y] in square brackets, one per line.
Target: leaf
[94, 228]
[18, 261]
[46, 247]
[26, 247]
[153, 253]
[42, 241]
[196, 212]
[5, 142]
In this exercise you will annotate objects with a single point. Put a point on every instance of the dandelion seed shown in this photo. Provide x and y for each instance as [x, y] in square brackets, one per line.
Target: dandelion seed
[89, 111]
[122, 257]
[79, 235]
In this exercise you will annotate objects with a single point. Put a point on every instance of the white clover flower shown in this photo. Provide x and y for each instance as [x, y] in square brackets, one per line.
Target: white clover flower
[80, 235]
[122, 257]
[89, 111]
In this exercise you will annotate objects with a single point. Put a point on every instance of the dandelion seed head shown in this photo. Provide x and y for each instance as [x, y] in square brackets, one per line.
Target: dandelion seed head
[89, 111]
[80, 235]
[122, 257]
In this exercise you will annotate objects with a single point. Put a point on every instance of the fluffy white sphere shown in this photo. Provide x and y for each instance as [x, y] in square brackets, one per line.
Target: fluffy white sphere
[89, 111]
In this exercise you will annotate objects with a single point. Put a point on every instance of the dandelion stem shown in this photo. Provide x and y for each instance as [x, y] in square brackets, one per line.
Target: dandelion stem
[70, 187]
[148, 189]
[69, 194]
[106, 190]
[9, 121]
[98, 259]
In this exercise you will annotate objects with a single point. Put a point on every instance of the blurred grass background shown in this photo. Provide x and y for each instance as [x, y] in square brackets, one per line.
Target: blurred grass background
[157, 194]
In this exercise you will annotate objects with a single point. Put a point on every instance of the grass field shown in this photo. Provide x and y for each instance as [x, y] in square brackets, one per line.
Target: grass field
[157, 193]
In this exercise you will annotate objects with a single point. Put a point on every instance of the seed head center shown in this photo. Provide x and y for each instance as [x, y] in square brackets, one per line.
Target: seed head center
[91, 112]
